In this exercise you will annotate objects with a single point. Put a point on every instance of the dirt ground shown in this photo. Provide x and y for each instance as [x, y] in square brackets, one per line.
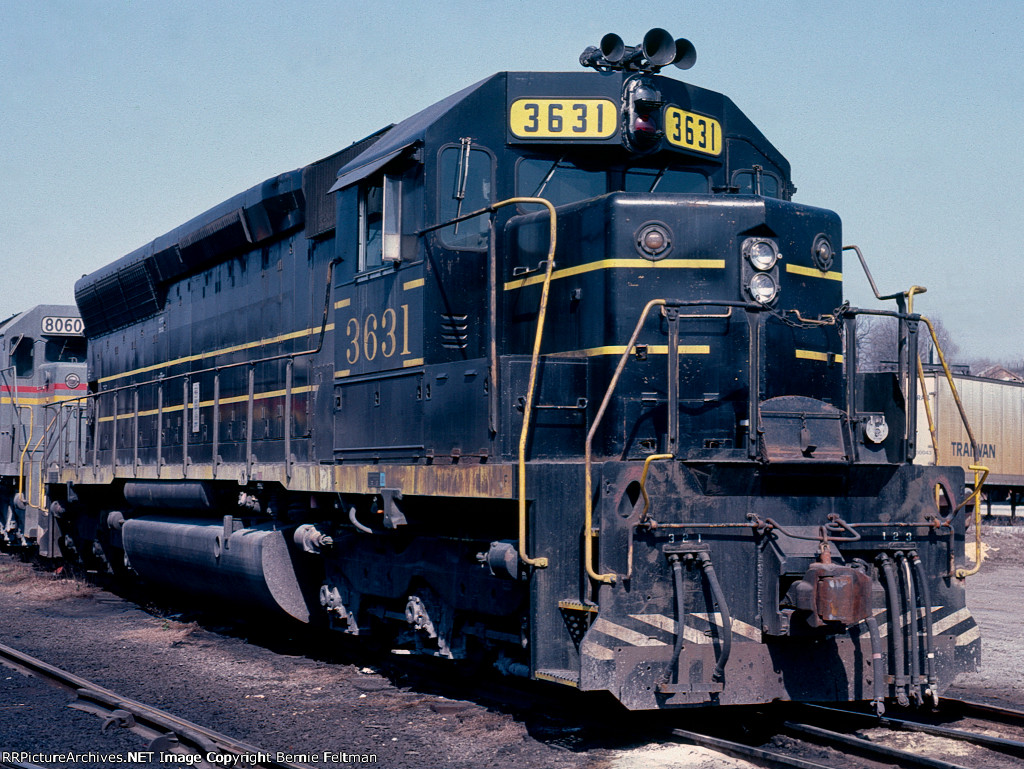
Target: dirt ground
[314, 697]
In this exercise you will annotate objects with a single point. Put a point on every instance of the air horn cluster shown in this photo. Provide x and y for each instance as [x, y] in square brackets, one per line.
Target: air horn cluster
[658, 50]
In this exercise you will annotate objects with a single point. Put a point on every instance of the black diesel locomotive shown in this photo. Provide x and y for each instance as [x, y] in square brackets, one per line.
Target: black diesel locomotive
[553, 374]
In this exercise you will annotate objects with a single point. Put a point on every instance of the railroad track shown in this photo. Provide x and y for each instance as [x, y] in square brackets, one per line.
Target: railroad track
[166, 732]
[845, 730]
[976, 724]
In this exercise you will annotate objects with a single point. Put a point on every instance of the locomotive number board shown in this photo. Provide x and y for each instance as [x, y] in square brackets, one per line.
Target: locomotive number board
[692, 131]
[52, 324]
[569, 119]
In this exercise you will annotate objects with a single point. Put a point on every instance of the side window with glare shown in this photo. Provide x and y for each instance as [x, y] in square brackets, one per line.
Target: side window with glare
[465, 184]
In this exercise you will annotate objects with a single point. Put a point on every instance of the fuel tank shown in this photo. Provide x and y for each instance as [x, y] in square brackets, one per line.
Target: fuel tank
[257, 567]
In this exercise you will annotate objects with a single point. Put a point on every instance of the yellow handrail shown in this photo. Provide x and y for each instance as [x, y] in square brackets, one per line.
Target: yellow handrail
[952, 387]
[643, 481]
[976, 496]
[928, 409]
[42, 486]
[538, 337]
[21, 461]
[588, 503]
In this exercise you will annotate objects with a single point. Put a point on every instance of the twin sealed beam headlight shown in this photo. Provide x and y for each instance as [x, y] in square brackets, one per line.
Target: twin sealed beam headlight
[761, 253]
[763, 288]
[759, 274]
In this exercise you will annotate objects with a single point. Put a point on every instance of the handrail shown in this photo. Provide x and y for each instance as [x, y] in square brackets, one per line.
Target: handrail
[643, 482]
[932, 430]
[956, 395]
[24, 450]
[540, 562]
[42, 487]
[538, 337]
[588, 508]
[976, 496]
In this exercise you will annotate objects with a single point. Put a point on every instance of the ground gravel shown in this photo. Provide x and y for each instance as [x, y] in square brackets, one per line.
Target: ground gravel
[309, 697]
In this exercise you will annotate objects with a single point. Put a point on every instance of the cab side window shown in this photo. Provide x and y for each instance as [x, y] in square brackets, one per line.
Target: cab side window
[22, 355]
[757, 182]
[465, 185]
[371, 221]
[65, 349]
[380, 221]
[559, 181]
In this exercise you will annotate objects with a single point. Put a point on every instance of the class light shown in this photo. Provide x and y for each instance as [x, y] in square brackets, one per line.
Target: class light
[823, 253]
[643, 103]
[653, 241]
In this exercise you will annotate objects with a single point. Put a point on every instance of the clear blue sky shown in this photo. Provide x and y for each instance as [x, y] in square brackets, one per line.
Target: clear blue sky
[121, 119]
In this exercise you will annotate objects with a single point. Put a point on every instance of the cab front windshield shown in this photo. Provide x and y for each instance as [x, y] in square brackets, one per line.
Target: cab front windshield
[561, 180]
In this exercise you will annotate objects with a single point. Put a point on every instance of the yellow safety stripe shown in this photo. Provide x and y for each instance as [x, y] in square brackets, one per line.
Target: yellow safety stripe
[405, 364]
[223, 351]
[39, 401]
[209, 403]
[812, 272]
[407, 286]
[820, 356]
[606, 264]
[654, 349]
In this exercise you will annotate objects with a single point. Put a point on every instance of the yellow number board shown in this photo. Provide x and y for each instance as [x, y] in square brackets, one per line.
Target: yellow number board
[692, 131]
[563, 118]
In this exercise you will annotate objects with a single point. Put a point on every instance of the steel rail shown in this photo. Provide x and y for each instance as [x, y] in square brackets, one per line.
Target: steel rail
[759, 756]
[199, 738]
[992, 712]
[1001, 744]
[869, 749]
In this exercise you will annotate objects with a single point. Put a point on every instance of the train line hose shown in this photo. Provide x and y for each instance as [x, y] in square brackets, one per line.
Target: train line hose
[677, 581]
[896, 625]
[926, 600]
[914, 628]
[723, 607]
[877, 671]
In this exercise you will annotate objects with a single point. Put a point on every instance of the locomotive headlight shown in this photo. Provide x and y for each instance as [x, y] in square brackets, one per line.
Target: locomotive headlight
[763, 288]
[761, 253]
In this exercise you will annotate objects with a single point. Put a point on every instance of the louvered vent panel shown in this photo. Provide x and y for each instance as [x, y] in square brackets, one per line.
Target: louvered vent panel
[454, 331]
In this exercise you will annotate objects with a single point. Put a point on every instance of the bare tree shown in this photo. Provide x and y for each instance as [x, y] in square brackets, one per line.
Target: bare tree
[876, 342]
[950, 349]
